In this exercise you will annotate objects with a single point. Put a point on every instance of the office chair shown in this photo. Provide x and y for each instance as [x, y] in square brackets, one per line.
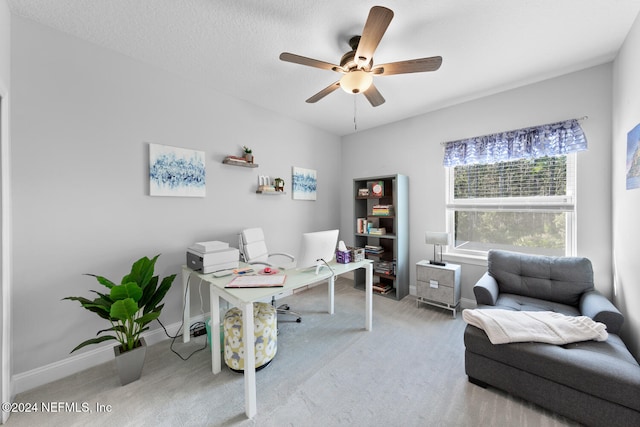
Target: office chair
[253, 250]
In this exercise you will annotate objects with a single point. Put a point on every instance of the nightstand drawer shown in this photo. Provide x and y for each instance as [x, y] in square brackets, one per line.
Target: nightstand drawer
[433, 292]
[442, 276]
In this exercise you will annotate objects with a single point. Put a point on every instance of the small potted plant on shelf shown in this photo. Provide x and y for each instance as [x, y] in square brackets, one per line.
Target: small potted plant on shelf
[248, 154]
[129, 306]
[279, 184]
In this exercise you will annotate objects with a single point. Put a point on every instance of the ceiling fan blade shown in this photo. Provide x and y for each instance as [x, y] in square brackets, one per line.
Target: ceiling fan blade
[374, 96]
[377, 22]
[303, 60]
[409, 66]
[324, 92]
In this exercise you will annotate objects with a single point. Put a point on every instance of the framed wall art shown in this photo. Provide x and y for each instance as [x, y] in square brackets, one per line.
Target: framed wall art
[633, 158]
[304, 182]
[175, 171]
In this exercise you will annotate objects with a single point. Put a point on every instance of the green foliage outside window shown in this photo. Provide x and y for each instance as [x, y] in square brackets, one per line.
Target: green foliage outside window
[546, 176]
[485, 227]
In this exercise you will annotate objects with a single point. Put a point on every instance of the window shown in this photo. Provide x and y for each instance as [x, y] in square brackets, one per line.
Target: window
[524, 205]
[514, 190]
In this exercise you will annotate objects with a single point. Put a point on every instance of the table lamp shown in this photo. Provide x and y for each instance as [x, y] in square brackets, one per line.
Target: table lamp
[437, 239]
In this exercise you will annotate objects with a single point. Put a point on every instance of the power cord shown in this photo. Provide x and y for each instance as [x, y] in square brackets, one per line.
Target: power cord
[333, 273]
[178, 334]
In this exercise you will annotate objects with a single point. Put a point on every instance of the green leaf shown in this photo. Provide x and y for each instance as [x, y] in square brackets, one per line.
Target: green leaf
[102, 280]
[141, 271]
[160, 293]
[127, 290]
[101, 311]
[103, 296]
[82, 300]
[147, 318]
[96, 306]
[94, 341]
[124, 309]
[148, 291]
[116, 328]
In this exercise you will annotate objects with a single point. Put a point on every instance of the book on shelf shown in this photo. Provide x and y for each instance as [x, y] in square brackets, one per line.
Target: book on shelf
[384, 267]
[381, 288]
[236, 159]
[382, 210]
[361, 225]
[378, 231]
[375, 250]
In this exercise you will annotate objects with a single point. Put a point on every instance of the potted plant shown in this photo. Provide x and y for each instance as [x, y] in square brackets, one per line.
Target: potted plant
[129, 306]
[248, 154]
[279, 184]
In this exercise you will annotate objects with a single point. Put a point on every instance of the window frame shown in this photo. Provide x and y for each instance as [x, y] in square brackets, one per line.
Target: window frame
[566, 203]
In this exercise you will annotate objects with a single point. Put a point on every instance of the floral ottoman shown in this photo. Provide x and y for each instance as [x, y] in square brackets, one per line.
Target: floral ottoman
[265, 331]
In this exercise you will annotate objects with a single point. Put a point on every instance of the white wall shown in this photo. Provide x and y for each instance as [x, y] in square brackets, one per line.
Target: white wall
[82, 120]
[626, 203]
[413, 147]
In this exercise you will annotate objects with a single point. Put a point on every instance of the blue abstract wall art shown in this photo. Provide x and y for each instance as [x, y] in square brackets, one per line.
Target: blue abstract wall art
[304, 184]
[633, 158]
[175, 171]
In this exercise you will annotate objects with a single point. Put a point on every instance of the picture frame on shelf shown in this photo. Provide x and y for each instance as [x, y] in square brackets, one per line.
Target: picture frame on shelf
[376, 188]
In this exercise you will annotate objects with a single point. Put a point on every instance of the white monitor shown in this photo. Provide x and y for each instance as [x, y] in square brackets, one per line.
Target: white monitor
[317, 248]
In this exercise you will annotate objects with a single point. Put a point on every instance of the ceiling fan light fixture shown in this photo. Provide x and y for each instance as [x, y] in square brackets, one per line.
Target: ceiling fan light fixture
[356, 81]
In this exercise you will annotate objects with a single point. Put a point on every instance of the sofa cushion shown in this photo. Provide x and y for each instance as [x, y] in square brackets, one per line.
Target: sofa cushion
[522, 303]
[558, 279]
[604, 369]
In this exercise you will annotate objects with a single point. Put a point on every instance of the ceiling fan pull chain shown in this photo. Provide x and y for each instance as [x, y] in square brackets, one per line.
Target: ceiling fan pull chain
[355, 123]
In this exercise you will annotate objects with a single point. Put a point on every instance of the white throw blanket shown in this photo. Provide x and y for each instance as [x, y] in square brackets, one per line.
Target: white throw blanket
[505, 326]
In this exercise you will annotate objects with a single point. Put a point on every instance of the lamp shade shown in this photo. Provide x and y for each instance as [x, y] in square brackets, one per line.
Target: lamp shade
[436, 238]
[356, 81]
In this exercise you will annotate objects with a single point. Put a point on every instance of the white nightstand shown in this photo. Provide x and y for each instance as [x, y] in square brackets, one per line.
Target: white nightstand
[438, 285]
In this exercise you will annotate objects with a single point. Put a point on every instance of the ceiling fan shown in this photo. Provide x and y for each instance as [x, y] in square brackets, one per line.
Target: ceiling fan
[357, 65]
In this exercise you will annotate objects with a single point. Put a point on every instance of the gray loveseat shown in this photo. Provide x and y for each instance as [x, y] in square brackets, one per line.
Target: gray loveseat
[594, 383]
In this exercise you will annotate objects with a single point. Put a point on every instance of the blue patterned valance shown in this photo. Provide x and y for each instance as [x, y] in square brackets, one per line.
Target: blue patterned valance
[540, 141]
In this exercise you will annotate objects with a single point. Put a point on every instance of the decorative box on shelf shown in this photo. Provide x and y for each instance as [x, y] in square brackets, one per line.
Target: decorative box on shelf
[357, 254]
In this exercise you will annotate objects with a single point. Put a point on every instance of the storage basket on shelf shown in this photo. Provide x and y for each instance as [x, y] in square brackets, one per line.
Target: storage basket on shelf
[357, 254]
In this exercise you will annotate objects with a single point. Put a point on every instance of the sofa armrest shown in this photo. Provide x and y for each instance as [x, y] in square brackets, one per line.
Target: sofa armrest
[486, 290]
[596, 306]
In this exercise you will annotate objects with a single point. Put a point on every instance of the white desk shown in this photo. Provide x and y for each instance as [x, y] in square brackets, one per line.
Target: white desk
[244, 298]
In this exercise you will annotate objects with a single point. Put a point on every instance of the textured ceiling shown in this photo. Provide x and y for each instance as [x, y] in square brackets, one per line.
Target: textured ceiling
[233, 46]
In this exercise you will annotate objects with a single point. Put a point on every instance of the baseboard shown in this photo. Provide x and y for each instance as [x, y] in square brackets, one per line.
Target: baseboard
[73, 364]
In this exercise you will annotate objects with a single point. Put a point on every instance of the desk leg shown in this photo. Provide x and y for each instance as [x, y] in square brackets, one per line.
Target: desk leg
[216, 362]
[331, 292]
[368, 324]
[186, 302]
[249, 360]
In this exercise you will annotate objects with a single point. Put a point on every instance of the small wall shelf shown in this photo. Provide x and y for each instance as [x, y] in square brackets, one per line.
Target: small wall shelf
[233, 162]
[271, 193]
